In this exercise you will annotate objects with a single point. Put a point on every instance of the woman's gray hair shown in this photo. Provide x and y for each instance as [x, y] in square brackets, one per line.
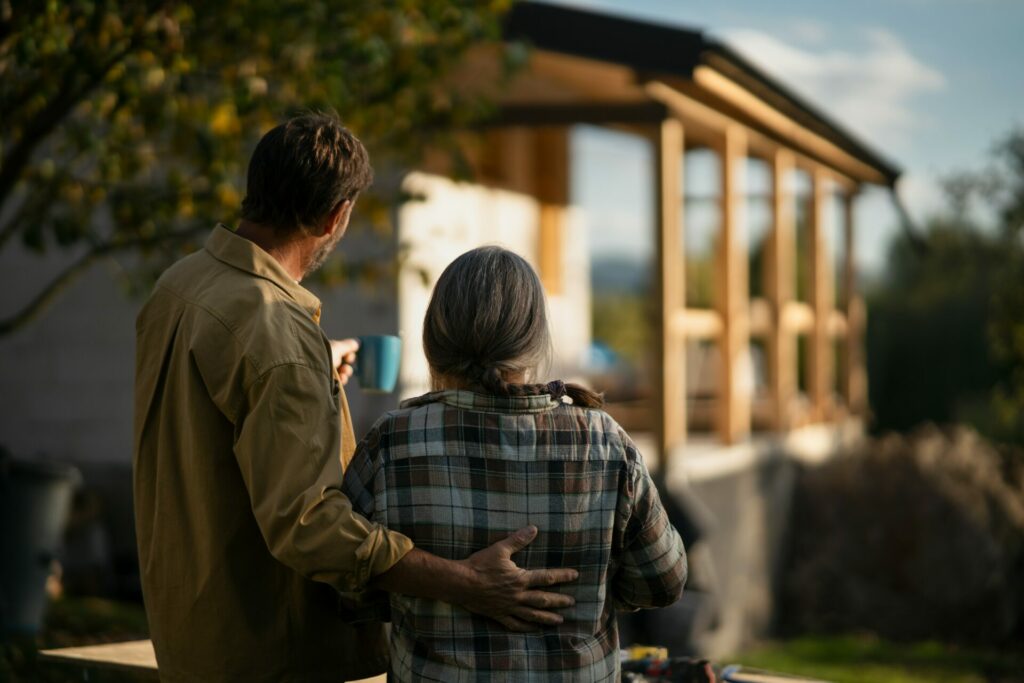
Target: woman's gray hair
[487, 320]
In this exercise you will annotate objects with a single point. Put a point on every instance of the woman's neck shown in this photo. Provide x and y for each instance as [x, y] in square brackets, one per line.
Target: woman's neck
[447, 382]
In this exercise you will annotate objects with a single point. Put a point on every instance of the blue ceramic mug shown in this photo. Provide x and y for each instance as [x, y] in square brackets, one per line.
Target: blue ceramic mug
[377, 361]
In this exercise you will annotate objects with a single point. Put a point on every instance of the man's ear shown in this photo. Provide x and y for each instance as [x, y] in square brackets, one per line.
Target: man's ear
[338, 218]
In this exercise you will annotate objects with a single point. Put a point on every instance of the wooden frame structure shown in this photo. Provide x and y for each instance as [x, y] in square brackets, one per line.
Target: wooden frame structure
[679, 90]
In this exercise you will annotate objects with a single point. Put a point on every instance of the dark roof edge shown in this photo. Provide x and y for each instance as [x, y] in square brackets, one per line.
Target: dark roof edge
[658, 48]
[607, 37]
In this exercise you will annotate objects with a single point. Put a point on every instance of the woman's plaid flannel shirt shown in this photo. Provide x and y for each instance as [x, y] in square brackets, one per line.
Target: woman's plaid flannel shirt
[457, 471]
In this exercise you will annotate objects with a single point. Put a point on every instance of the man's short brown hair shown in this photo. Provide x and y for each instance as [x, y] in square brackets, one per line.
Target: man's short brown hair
[302, 170]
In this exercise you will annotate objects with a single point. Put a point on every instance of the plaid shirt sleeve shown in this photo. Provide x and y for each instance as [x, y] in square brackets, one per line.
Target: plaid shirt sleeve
[652, 566]
[359, 486]
[361, 472]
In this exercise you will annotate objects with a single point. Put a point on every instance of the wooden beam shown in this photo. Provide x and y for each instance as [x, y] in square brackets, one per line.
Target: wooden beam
[782, 125]
[856, 374]
[797, 318]
[597, 113]
[697, 323]
[762, 318]
[780, 272]
[837, 326]
[733, 291]
[707, 125]
[821, 300]
[671, 380]
[551, 187]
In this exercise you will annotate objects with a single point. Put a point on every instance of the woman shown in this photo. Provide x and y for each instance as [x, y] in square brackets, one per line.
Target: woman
[487, 453]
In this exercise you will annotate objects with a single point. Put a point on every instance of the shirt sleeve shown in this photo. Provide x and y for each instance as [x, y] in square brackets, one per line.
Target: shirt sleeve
[361, 473]
[652, 567]
[360, 486]
[287, 447]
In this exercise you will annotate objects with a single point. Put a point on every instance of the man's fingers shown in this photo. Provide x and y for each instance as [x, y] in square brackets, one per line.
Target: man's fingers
[346, 346]
[513, 624]
[537, 616]
[550, 577]
[545, 600]
[343, 350]
[517, 541]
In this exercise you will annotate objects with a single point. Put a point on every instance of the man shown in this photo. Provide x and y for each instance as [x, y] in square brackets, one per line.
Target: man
[241, 432]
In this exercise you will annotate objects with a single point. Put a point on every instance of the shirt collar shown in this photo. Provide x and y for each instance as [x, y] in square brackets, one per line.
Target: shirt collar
[471, 400]
[238, 252]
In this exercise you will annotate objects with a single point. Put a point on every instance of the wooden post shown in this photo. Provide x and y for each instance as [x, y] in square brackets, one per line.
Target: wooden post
[551, 178]
[856, 374]
[671, 380]
[820, 356]
[733, 294]
[780, 272]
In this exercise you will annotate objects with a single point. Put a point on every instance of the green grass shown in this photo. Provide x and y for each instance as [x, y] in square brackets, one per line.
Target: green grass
[865, 659]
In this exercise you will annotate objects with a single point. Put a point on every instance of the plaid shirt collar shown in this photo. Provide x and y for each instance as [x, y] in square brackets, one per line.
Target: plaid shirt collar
[552, 397]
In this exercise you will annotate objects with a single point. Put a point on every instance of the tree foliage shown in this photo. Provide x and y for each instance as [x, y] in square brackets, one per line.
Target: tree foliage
[946, 330]
[127, 123]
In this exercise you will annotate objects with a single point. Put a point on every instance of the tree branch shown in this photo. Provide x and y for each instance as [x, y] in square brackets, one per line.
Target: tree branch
[34, 308]
[49, 118]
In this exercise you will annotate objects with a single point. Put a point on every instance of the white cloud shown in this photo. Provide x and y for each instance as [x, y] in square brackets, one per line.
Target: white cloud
[871, 89]
[809, 31]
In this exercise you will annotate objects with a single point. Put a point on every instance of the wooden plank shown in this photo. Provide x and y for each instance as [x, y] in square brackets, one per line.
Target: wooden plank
[707, 124]
[837, 326]
[762, 318]
[733, 290]
[780, 273]
[797, 318]
[671, 380]
[697, 323]
[790, 131]
[856, 373]
[551, 187]
[567, 114]
[135, 656]
[819, 357]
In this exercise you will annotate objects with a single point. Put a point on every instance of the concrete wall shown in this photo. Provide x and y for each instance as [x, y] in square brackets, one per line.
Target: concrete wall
[742, 496]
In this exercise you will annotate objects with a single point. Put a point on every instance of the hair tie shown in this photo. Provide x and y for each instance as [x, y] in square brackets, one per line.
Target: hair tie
[556, 389]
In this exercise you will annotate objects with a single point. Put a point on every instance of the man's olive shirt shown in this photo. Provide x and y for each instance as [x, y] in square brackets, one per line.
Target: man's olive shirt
[242, 431]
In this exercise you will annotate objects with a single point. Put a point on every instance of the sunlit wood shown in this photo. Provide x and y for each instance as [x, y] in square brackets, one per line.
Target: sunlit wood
[551, 175]
[780, 272]
[697, 323]
[819, 357]
[856, 373]
[668, 158]
[800, 137]
[732, 290]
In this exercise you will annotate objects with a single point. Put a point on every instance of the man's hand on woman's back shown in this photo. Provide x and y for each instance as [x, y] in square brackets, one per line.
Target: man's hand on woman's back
[488, 582]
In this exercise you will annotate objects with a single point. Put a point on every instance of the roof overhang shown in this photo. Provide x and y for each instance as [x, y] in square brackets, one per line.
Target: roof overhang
[594, 67]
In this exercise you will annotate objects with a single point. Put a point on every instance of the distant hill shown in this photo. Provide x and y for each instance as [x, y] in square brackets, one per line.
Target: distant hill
[612, 274]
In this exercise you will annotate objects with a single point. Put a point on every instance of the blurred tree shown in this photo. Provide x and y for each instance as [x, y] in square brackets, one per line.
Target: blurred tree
[946, 329]
[126, 123]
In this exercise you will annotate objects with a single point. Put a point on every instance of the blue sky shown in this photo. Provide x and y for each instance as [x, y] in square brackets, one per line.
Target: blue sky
[931, 84]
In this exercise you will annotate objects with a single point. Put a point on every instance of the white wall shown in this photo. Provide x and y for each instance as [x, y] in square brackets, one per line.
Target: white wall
[452, 218]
